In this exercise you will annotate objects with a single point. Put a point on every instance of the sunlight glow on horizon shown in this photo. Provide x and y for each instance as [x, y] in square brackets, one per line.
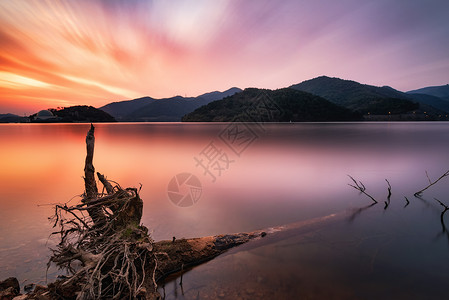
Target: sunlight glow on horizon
[61, 52]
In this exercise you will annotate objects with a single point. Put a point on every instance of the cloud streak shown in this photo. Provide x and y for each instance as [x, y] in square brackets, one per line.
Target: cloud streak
[59, 52]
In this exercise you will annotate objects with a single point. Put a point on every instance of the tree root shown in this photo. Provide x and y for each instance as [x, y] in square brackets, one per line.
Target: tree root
[115, 252]
[109, 254]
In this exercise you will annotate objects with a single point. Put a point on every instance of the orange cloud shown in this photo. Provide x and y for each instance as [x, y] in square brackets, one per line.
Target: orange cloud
[97, 51]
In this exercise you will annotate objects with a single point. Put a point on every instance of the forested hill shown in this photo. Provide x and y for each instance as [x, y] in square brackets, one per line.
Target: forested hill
[283, 105]
[72, 114]
[82, 113]
[359, 97]
[441, 91]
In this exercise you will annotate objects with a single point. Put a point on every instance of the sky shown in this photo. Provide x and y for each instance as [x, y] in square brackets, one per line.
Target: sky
[56, 53]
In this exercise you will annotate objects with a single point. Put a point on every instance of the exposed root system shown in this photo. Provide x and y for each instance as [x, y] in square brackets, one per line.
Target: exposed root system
[102, 244]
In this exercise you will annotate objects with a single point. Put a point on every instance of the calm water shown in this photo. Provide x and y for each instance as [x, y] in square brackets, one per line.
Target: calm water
[266, 176]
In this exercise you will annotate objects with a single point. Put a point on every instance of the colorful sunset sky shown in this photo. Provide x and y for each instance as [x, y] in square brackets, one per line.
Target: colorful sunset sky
[62, 53]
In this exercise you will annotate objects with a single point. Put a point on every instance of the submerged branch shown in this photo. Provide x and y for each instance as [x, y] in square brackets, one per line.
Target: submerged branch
[389, 194]
[407, 202]
[419, 193]
[443, 225]
[360, 187]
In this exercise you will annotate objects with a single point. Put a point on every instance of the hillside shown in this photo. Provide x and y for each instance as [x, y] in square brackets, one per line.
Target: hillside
[435, 102]
[359, 97]
[162, 110]
[120, 110]
[81, 113]
[286, 105]
[11, 118]
[436, 91]
[166, 110]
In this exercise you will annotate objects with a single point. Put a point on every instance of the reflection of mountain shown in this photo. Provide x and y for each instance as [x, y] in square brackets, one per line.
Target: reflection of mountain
[281, 105]
[162, 110]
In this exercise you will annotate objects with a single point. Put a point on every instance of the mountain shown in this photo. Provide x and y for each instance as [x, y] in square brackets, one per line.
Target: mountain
[436, 91]
[120, 110]
[213, 96]
[11, 118]
[162, 110]
[433, 101]
[359, 97]
[281, 105]
[166, 110]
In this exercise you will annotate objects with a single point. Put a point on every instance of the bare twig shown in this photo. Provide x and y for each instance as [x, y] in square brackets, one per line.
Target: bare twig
[407, 201]
[446, 208]
[389, 190]
[107, 185]
[428, 178]
[360, 187]
[389, 194]
[419, 193]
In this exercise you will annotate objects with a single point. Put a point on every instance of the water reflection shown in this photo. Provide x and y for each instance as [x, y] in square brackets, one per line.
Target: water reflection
[292, 172]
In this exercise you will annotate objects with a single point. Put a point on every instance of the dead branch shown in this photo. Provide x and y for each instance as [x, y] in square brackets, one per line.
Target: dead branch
[389, 194]
[446, 208]
[407, 202]
[389, 190]
[107, 185]
[106, 251]
[360, 187]
[419, 193]
[89, 170]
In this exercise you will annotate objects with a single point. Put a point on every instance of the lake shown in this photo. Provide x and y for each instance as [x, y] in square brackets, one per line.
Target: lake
[249, 177]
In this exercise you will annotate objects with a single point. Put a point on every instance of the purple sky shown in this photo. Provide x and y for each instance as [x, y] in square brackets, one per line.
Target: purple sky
[61, 53]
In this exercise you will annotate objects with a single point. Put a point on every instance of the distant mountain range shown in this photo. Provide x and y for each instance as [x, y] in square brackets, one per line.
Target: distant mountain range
[375, 103]
[436, 91]
[371, 99]
[11, 118]
[148, 109]
[319, 99]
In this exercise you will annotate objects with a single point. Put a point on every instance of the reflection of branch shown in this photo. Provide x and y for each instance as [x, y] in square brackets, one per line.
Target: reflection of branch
[443, 225]
[360, 187]
[419, 193]
[389, 195]
[358, 211]
[446, 208]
